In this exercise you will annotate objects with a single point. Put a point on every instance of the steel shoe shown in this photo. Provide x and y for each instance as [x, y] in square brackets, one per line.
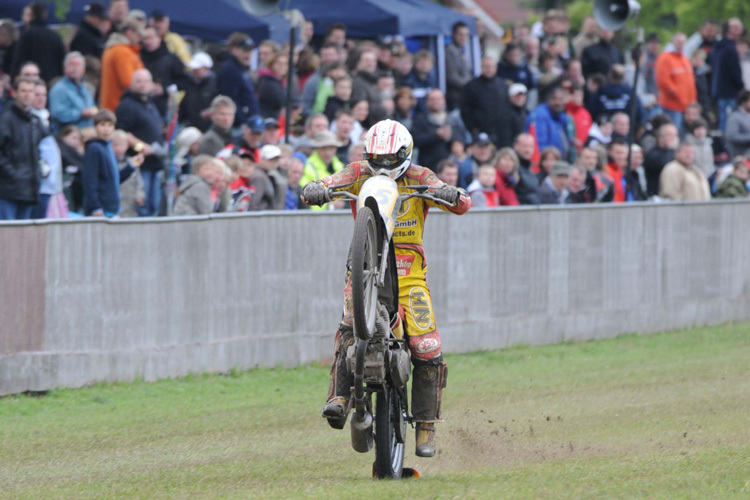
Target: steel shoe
[335, 412]
[425, 439]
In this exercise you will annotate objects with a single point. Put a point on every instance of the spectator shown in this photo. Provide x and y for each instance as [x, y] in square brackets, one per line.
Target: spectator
[165, 67]
[735, 186]
[220, 133]
[70, 101]
[674, 77]
[200, 91]
[271, 132]
[578, 190]
[703, 40]
[329, 56]
[341, 98]
[138, 115]
[174, 42]
[738, 127]
[49, 155]
[703, 85]
[601, 56]
[486, 104]
[403, 65]
[508, 178]
[481, 151]
[667, 141]
[120, 61]
[574, 73]
[681, 180]
[71, 147]
[361, 114]
[635, 177]
[336, 33]
[615, 96]
[132, 194]
[356, 152]
[600, 132]
[447, 171]
[365, 83]
[554, 189]
[91, 33]
[527, 188]
[482, 189]
[517, 96]
[457, 65]
[648, 63]
[648, 138]
[233, 80]
[702, 146]
[41, 45]
[616, 169]
[186, 144]
[550, 74]
[8, 45]
[323, 161]
[404, 104]
[294, 175]
[195, 195]
[579, 114]
[270, 185]
[433, 131]
[589, 35]
[325, 86]
[344, 126]
[272, 86]
[20, 176]
[645, 92]
[547, 159]
[513, 68]
[422, 78]
[118, 13]
[101, 177]
[621, 127]
[551, 124]
[726, 80]
[597, 182]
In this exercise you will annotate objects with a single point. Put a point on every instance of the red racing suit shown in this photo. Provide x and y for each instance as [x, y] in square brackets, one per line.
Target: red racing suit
[414, 296]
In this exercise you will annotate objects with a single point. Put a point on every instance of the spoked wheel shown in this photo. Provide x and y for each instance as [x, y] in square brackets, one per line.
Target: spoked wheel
[390, 427]
[364, 273]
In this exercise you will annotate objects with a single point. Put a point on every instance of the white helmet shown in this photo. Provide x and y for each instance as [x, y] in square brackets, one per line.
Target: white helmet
[388, 149]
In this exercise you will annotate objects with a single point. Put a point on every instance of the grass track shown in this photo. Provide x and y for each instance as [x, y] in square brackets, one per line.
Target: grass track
[658, 416]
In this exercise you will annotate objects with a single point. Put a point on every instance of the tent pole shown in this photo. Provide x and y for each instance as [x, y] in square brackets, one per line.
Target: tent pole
[289, 83]
[440, 49]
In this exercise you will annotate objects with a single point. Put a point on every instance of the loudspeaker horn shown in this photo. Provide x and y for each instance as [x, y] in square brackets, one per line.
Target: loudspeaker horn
[613, 14]
[260, 8]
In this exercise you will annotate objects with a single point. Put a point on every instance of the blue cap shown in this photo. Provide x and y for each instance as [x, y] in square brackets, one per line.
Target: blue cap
[256, 124]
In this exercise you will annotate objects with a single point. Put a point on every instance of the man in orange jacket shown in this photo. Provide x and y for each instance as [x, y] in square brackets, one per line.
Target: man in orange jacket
[675, 80]
[119, 61]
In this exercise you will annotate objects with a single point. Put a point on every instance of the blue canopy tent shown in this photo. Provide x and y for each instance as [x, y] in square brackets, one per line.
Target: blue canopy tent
[210, 21]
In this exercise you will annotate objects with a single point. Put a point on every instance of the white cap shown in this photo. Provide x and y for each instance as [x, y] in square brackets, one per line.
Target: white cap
[201, 60]
[517, 88]
[269, 152]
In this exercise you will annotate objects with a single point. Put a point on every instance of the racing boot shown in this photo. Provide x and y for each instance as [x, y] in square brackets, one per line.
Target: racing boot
[337, 402]
[425, 439]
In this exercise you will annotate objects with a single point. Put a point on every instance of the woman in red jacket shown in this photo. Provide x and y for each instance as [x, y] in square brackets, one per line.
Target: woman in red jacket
[506, 164]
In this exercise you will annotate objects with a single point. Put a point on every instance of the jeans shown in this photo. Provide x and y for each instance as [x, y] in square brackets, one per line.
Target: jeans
[152, 188]
[15, 210]
[725, 106]
[39, 211]
[675, 116]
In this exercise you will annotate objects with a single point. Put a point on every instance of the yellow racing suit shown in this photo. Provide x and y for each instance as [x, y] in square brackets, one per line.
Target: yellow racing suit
[414, 296]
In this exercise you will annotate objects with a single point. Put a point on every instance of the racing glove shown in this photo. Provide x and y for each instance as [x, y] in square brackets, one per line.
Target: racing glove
[448, 193]
[315, 193]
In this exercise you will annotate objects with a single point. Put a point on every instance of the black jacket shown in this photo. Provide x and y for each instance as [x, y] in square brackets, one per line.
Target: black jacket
[653, 164]
[198, 96]
[271, 96]
[516, 120]
[233, 81]
[42, 46]
[20, 133]
[527, 187]
[89, 41]
[167, 69]
[485, 108]
[432, 149]
[599, 57]
[141, 118]
[726, 80]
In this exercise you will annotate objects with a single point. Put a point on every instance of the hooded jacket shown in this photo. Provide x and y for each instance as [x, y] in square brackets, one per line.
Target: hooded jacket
[485, 107]
[101, 178]
[119, 61]
[20, 134]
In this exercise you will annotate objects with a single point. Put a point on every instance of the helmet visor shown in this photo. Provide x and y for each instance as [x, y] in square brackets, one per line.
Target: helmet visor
[388, 162]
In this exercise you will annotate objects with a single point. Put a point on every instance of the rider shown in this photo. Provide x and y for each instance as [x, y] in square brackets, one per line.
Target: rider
[388, 151]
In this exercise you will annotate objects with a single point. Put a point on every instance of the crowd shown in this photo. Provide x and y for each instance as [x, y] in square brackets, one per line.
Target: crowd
[127, 119]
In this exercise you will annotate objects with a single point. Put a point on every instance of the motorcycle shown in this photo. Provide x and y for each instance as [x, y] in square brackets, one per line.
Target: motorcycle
[379, 357]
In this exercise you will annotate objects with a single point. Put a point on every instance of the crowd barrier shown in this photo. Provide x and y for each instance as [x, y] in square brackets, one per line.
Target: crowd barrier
[86, 301]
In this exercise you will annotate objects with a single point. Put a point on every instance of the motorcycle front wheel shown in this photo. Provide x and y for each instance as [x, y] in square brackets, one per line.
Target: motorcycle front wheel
[390, 423]
[364, 273]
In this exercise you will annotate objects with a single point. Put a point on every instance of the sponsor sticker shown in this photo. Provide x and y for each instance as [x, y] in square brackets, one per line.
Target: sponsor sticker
[403, 264]
[420, 308]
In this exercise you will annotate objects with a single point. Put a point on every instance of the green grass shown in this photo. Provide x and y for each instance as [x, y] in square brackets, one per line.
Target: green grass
[657, 416]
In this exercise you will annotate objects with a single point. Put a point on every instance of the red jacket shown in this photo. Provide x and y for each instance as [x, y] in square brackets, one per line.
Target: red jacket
[505, 192]
[582, 119]
[615, 173]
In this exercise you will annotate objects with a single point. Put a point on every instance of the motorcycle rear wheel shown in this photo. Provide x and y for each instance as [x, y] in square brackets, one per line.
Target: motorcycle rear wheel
[364, 273]
[389, 451]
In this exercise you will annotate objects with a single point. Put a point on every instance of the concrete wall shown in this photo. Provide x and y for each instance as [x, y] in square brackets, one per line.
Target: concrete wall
[90, 300]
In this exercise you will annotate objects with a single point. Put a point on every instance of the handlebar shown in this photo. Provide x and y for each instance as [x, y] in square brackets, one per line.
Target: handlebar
[420, 191]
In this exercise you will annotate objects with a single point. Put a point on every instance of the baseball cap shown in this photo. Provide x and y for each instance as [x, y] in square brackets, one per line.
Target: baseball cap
[137, 14]
[256, 124]
[97, 10]
[240, 40]
[560, 168]
[269, 152]
[158, 14]
[517, 88]
[482, 138]
[270, 123]
[201, 60]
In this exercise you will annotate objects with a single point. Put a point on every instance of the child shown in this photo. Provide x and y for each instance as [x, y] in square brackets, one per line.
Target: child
[242, 188]
[101, 177]
[482, 189]
[132, 193]
[697, 135]
[342, 93]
